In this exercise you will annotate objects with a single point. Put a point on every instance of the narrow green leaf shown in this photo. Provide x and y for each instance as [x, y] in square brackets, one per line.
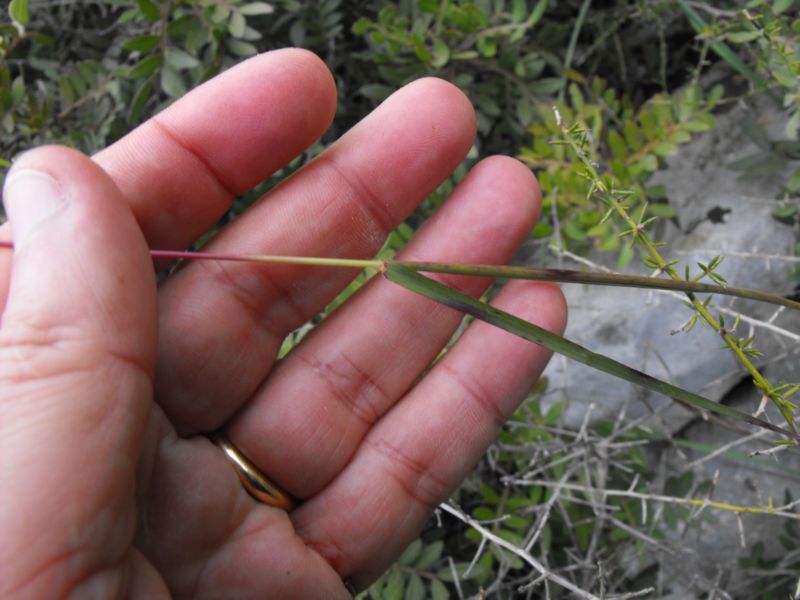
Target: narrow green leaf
[681, 136]
[17, 90]
[78, 83]
[221, 13]
[441, 53]
[616, 143]
[538, 12]
[180, 59]
[519, 9]
[148, 9]
[742, 37]
[484, 513]
[439, 591]
[545, 86]
[139, 101]
[361, 26]
[554, 413]
[411, 553]
[665, 149]
[648, 163]
[394, 586]
[67, 92]
[183, 25]
[240, 48]
[237, 24]
[430, 554]
[127, 16]
[665, 211]
[420, 284]
[487, 46]
[633, 134]
[145, 67]
[415, 589]
[89, 71]
[142, 43]
[256, 8]
[172, 83]
[18, 10]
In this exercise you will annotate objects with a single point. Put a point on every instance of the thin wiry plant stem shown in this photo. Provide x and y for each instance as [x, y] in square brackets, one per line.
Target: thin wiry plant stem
[525, 556]
[631, 595]
[456, 580]
[633, 532]
[544, 516]
[780, 511]
[725, 448]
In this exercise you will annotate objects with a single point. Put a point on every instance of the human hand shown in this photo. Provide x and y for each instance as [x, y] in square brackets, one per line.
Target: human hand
[107, 493]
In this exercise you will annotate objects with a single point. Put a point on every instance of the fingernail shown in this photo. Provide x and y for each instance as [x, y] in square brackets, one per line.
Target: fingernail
[31, 198]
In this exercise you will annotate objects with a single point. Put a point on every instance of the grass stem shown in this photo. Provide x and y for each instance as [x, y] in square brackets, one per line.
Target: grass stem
[312, 261]
[775, 511]
[597, 278]
[497, 271]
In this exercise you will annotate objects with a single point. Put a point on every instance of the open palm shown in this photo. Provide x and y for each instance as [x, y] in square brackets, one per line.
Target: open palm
[108, 486]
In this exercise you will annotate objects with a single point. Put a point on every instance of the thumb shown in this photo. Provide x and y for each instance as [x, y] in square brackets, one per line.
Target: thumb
[77, 347]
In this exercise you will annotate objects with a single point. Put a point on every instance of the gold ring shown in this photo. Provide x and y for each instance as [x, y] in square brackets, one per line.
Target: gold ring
[256, 484]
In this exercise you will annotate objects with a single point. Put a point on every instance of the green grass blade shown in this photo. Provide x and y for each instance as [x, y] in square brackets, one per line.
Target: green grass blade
[595, 278]
[724, 52]
[434, 290]
[573, 42]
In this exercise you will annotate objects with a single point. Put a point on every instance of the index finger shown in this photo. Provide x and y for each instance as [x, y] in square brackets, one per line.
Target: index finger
[181, 169]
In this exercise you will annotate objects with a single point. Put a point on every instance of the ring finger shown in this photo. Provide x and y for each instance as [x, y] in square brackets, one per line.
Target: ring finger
[305, 423]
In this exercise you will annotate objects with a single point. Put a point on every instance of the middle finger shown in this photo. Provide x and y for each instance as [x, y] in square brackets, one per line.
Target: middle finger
[221, 324]
[312, 413]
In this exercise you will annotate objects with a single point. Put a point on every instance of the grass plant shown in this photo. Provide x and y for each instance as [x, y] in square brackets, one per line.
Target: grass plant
[406, 274]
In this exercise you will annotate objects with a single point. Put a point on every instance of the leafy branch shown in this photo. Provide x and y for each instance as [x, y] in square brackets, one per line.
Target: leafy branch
[575, 136]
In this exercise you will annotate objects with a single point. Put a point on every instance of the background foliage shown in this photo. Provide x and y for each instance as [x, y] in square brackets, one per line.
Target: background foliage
[629, 74]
